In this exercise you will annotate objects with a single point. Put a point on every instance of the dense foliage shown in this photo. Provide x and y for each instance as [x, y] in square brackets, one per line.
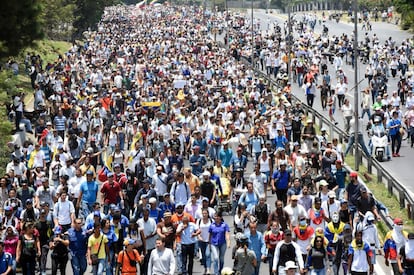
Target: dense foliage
[20, 25]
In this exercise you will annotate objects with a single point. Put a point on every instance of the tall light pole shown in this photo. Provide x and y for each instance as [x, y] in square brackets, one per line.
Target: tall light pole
[252, 39]
[356, 91]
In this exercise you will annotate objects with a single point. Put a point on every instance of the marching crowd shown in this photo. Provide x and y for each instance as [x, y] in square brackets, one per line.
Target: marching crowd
[142, 140]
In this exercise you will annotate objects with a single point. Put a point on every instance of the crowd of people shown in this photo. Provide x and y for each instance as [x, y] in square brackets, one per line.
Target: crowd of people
[149, 132]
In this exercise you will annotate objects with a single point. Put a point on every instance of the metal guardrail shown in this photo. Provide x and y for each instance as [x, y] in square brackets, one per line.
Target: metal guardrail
[383, 176]
[394, 187]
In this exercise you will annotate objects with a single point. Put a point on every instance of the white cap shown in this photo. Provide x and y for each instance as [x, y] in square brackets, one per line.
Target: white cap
[206, 173]
[152, 200]
[290, 265]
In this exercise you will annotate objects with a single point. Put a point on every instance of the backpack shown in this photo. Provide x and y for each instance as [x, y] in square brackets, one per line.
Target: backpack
[186, 189]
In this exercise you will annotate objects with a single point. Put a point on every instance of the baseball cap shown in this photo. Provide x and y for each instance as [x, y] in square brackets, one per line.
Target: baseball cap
[129, 241]
[353, 174]
[167, 214]
[89, 172]
[152, 200]
[97, 213]
[29, 201]
[110, 174]
[398, 220]
[294, 198]
[323, 183]
[179, 204]
[8, 208]
[331, 194]
[290, 265]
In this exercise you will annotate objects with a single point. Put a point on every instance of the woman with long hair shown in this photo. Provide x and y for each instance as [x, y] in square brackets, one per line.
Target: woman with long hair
[219, 240]
[215, 141]
[317, 257]
[112, 240]
[28, 249]
[10, 239]
[244, 258]
[203, 240]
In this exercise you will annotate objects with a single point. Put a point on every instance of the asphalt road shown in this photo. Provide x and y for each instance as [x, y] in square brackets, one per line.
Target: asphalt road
[399, 167]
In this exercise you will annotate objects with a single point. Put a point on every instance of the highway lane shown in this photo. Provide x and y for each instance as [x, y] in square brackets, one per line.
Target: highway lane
[398, 167]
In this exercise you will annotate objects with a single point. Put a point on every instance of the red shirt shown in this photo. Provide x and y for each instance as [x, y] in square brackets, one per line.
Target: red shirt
[111, 193]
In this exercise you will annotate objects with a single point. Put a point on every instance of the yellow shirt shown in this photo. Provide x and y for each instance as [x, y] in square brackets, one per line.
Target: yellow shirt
[93, 243]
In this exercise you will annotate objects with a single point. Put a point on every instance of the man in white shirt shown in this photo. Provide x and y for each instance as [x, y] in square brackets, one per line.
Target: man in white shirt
[64, 212]
[159, 181]
[161, 260]
[295, 211]
[180, 191]
[331, 205]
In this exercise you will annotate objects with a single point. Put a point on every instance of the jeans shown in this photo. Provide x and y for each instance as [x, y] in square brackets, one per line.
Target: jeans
[79, 264]
[205, 254]
[217, 253]
[28, 266]
[396, 143]
[179, 260]
[43, 257]
[99, 268]
[309, 99]
[341, 99]
[86, 209]
[366, 111]
[187, 253]
[321, 271]
[270, 254]
[360, 141]
[27, 125]
[59, 263]
[111, 265]
[257, 268]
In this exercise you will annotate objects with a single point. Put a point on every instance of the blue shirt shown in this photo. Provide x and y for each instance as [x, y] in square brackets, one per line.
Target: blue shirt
[112, 238]
[281, 179]
[186, 237]
[197, 169]
[280, 141]
[5, 261]
[218, 233]
[394, 122]
[89, 191]
[257, 244]
[250, 199]
[78, 242]
[226, 157]
[340, 176]
[239, 162]
[167, 207]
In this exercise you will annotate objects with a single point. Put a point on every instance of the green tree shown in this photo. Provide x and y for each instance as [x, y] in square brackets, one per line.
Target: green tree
[20, 26]
[57, 18]
[406, 9]
[8, 88]
[88, 13]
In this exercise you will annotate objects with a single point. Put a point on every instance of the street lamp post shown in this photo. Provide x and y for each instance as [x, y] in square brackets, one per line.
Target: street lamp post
[356, 92]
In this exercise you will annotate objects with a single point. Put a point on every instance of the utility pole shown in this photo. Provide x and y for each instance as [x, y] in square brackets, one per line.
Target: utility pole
[356, 91]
